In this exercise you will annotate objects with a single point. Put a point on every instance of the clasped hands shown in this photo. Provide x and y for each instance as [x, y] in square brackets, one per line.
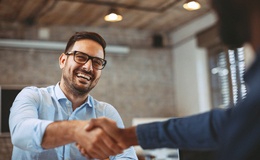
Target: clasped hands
[106, 139]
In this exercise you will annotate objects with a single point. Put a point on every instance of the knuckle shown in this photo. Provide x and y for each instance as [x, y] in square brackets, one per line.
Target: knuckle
[113, 146]
[92, 120]
[95, 140]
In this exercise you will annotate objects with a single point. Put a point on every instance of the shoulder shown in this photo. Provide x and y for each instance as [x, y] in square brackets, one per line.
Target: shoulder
[100, 104]
[35, 92]
[38, 89]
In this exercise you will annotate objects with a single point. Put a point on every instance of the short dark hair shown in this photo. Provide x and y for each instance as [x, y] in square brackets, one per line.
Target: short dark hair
[86, 35]
[233, 21]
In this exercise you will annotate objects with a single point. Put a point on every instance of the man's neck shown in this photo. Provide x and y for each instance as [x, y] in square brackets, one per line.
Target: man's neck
[76, 98]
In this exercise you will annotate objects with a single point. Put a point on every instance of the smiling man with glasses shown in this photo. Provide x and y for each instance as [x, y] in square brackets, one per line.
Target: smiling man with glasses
[46, 123]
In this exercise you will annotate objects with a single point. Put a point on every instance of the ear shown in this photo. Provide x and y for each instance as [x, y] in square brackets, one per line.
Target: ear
[62, 60]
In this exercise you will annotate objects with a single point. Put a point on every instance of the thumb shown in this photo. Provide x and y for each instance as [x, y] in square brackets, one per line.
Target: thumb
[90, 125]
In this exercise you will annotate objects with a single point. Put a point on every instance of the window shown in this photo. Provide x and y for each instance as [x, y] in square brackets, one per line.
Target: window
[227, 68]
[7, 97]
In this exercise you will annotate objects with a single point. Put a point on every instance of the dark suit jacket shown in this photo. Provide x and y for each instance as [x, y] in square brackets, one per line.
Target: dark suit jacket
[233, 133]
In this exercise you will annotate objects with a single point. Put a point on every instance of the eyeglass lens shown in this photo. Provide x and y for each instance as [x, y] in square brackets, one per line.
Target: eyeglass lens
[82, 58]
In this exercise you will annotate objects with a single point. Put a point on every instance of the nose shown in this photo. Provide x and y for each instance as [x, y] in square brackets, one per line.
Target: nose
[88, 65]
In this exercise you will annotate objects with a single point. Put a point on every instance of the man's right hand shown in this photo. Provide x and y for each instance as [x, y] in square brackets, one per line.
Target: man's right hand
[124, 137]
[95, 143]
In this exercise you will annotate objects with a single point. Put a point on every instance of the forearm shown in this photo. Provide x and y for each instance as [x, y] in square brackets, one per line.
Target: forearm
[193, 132]
[61, 133]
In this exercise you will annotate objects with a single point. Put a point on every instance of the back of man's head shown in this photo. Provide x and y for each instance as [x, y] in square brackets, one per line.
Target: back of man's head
[234, 20]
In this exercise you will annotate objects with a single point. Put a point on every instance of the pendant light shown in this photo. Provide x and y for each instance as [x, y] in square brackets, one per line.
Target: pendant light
[191, 5]
[113, 16]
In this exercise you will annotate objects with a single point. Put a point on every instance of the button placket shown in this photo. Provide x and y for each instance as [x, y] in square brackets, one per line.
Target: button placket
[69, 108]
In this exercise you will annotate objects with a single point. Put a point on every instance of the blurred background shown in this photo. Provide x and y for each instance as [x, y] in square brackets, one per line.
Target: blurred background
[164, 60]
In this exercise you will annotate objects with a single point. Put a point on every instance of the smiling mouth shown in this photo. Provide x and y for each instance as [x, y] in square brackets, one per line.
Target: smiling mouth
[87, 77]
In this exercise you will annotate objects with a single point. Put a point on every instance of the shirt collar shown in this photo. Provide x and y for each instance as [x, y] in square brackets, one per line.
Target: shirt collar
[60, 95]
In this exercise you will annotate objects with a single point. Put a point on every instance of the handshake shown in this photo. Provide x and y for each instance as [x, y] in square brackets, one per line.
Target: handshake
[104, 138]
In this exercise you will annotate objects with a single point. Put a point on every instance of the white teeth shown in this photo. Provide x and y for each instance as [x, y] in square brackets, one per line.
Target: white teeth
[84, 76]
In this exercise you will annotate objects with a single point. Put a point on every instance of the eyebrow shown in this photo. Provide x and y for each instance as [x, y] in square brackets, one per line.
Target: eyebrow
[87, 54]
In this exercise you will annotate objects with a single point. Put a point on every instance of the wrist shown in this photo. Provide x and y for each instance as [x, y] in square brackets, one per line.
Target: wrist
[129, 137]
[60, 133]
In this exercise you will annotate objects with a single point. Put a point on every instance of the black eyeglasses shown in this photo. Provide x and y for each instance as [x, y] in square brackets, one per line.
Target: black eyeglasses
[82, 58]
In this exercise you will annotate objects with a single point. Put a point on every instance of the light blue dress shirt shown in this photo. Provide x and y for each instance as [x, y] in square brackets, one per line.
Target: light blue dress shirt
[35, 108]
